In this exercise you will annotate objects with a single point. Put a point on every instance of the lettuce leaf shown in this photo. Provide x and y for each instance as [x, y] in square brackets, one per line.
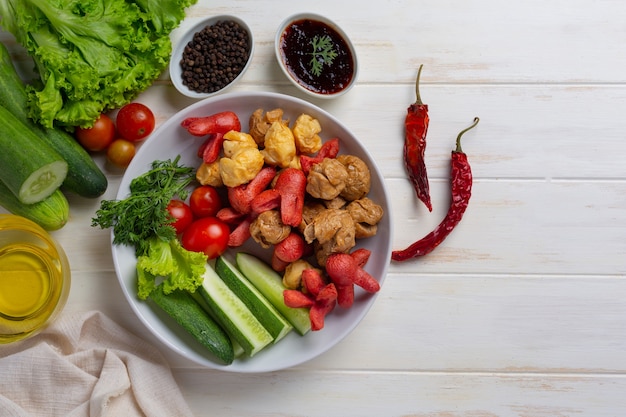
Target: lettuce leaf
[179, 268]
[91, 55]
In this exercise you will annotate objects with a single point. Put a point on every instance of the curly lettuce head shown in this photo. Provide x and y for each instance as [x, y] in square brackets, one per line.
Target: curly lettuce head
[91, 55]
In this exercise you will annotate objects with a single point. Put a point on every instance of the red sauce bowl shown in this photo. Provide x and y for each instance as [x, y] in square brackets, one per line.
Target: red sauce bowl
[316, 55]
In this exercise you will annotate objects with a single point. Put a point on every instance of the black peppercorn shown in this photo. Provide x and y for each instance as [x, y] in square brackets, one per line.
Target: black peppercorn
[215, 56]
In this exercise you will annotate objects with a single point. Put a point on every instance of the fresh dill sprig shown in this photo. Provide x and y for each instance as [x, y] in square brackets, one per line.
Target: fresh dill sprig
[322, 53]
[143, 214]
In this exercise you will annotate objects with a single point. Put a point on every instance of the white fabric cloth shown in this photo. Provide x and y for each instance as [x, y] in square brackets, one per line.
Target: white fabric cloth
[87, 365]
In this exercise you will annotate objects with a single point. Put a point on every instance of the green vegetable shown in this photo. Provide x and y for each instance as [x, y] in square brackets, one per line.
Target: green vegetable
[264, 311]
[270, 284]
[143, 214]
[51, 213]
[232, 314]
[91, 55]
[179, 268]
[84, 177]
[322, 53]
[29, 167]
[189, 314]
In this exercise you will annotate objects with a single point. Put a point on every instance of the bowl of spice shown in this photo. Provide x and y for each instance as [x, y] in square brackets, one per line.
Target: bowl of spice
[34, 278]
[316, 55]
[211, 56]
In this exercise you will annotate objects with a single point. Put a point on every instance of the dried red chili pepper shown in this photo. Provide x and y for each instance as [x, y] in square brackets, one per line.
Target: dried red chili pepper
[461, 184]
[415, 128]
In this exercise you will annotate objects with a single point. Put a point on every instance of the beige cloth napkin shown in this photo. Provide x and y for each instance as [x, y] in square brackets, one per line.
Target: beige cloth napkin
[87, 365]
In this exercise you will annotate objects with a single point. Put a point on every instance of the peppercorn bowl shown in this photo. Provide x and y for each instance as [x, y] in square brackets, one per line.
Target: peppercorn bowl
[211, 56]
[316, 55]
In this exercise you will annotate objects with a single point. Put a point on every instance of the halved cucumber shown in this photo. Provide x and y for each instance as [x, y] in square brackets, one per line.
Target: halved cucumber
[232, 314]
[270, 284]
[187, 312]
[275, 323]
[29, 167]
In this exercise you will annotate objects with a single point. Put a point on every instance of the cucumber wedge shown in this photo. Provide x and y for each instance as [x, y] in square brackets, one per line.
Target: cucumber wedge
[232, 314]
[270, 284]
[264, 311]
[237, 349]
[189, 314]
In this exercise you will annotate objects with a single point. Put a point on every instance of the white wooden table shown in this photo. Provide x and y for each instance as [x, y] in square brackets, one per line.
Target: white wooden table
[522, 310]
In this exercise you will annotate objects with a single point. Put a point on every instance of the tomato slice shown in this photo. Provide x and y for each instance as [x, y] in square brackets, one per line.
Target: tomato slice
[208, 235]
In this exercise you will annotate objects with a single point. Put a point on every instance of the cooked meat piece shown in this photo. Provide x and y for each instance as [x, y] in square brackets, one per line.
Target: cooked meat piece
[260, 122]
[305, 131]
[309, 211]
[327, 179]
[242, 160]
[366, 215]
[280, 147]
[359, 179]
[332, 230]
[268, 229]
[337, 203]
[292, 278]
[209, 174]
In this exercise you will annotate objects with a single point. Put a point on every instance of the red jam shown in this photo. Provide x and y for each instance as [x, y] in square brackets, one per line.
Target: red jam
[297, 51]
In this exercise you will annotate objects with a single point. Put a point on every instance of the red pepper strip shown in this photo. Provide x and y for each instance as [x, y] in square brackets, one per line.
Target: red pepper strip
[416, 127]
[267, 200]
[324, 303]
[230, 216]
[240, 233]
[312, 281]
[345, 295]
[241, 196]
[287, 250]
[361, 256]
[329, 149]
[461, 184]
[216, 123]
[212, 147]
[291, 184]
[297, 299]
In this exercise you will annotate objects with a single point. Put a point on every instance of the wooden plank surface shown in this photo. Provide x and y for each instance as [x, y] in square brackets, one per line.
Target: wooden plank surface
[521, 311]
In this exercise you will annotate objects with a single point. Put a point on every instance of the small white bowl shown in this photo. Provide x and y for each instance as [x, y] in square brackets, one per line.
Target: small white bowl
[314, 85]
[177, 54]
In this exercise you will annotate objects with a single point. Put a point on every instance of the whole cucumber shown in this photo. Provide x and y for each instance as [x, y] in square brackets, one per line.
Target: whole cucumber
[84, 177]
[52, 213]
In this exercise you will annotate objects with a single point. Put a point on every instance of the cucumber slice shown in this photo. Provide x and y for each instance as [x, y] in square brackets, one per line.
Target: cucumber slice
[189, 314]
[270, 318]
[232, 314]
[270, 284]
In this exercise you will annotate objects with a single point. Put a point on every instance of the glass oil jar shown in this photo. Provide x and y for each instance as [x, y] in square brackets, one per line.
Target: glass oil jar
[34, 278]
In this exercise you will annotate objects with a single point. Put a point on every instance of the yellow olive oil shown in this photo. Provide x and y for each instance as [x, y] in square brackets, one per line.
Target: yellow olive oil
[34, 279]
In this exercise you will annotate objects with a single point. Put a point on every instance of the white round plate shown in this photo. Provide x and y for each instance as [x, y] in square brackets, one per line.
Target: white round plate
[170, 140]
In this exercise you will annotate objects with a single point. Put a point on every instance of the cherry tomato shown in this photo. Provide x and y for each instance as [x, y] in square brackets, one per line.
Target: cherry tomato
[120, 152]
[182, 215]
[205, 201]
[208, 235]
[99, 136]
[135, 121]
